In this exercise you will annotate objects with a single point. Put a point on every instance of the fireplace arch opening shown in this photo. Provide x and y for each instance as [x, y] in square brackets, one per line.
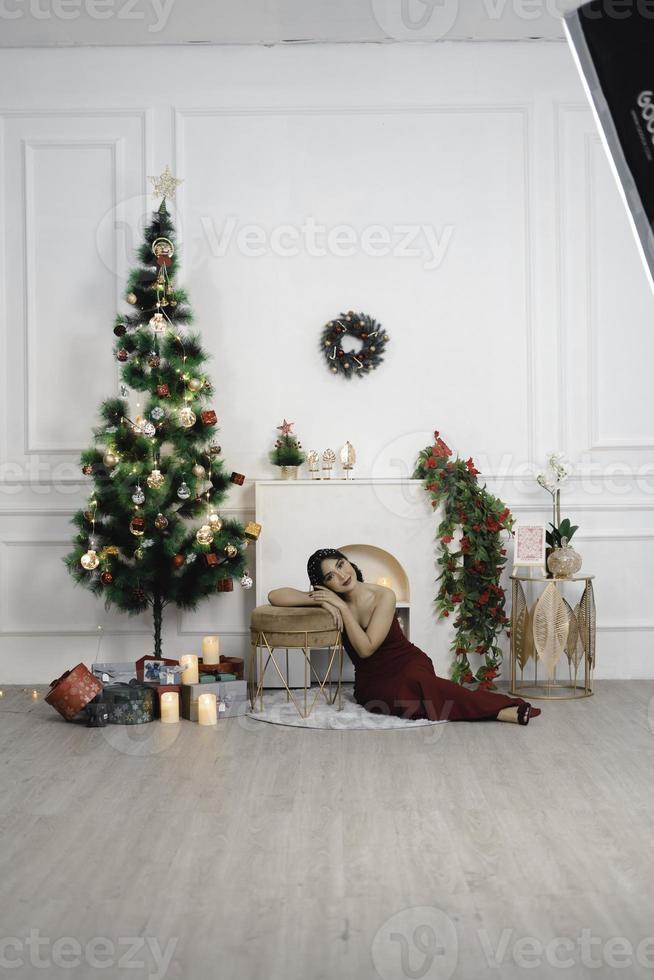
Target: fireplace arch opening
[380, 567]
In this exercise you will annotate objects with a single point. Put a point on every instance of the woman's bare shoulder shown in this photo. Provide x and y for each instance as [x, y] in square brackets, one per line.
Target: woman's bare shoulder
[381, 592]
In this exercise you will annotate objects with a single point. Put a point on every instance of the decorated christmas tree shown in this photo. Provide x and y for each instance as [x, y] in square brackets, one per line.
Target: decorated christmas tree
[151, 533]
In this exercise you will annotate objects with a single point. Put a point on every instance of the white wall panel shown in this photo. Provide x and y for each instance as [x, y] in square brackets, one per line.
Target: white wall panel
[532, 332]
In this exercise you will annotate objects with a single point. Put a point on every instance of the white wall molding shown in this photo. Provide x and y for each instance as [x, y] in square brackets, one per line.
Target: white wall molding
[507, 345]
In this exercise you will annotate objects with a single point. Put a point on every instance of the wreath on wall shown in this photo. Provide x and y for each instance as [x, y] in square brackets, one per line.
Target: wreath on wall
[371, 335]
[470, 572]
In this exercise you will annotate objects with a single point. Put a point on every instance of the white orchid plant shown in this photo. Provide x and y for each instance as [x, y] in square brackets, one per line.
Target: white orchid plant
[557, 470]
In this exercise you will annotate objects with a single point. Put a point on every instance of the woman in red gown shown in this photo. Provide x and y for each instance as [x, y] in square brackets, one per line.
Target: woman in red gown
[392, 676]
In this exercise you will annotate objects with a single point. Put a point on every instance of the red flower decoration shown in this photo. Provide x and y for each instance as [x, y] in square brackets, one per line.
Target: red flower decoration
[446, 539]
[471, 467]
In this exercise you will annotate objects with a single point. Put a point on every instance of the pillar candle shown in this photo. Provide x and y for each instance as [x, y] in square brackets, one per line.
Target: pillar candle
[191, 674]
[170, 707]
[210, 650]
[207, 709]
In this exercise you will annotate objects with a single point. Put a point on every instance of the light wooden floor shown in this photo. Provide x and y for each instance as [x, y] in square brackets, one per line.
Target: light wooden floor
[276, 853]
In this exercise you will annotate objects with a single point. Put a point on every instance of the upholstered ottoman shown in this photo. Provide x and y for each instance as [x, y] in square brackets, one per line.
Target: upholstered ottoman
[294, 628]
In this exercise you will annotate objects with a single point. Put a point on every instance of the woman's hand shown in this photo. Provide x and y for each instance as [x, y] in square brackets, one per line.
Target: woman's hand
[326, 595]
[335, 614]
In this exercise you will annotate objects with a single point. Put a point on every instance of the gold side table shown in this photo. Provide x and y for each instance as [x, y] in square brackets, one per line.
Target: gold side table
[552, 631]
[274, 628]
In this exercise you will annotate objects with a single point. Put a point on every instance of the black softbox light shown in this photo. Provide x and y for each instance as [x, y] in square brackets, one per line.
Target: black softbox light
[613, 45]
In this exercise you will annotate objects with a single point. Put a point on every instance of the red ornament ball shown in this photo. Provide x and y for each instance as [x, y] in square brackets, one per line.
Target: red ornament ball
[106, 578]
[122, 354]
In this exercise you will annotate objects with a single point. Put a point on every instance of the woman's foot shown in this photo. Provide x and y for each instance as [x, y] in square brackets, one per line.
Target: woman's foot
[518, 714]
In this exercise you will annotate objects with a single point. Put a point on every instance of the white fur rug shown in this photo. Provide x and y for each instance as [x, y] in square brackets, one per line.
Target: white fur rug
[279, 711]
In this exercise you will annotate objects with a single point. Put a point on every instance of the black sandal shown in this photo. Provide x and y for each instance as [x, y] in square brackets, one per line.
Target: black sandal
[524, 713]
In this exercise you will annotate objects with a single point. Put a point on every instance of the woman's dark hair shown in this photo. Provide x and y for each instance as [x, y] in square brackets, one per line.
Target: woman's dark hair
[314, 569]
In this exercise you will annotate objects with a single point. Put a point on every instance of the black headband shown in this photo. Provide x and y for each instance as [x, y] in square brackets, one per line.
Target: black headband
[313, 565]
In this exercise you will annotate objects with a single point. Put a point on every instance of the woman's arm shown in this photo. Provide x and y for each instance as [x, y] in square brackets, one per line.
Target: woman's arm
[365, 642]
[290, 597]
[294, 597]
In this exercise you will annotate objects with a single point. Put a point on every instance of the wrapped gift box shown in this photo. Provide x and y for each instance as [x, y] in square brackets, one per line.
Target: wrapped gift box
[114, 673]
[232, 665]
[232, 697]
[72, 691]
[151, 671]
[130, 704]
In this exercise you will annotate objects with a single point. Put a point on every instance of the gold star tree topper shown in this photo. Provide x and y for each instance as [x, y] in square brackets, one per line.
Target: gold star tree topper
[165, 184]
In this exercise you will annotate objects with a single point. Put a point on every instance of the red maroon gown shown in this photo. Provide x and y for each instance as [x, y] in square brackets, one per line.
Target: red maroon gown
[399, 679]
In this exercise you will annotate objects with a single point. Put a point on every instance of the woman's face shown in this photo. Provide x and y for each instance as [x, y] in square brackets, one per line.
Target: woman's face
[338, 575]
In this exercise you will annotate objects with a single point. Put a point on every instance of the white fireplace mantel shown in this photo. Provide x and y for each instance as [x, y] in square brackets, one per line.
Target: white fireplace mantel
[395, 515]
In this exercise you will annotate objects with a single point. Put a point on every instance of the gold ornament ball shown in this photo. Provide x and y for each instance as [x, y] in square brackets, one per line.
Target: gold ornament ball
[204, 535]
[90, 560]
[199, 471]
[161, 522]
[109, 459]
[131, 298]
[215, 523]
[231, 550]
[156, 480]
[138, 554]
[186, 417]
[195, 384]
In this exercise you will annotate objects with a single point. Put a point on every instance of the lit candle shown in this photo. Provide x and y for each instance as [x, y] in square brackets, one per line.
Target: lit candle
[35, 695]
[191, 674]
[382, 581]
[207, 709]
[210, 650]
[170, 707]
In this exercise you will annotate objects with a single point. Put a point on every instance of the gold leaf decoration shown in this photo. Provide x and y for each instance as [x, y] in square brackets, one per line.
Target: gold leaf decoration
[550, 628]
[588, 606]
[574, 647]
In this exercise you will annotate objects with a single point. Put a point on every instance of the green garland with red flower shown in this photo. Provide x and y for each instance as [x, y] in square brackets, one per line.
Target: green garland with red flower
[470, 575]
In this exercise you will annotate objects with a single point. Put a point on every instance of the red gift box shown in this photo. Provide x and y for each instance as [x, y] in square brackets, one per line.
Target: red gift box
[232, 665]
[163, 391]
[225, 585]
[72, 691]
[237, 478]
[209, 417]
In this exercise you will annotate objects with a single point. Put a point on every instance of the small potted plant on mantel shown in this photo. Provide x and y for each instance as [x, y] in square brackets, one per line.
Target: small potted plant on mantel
[287, 452]
[562, 560]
